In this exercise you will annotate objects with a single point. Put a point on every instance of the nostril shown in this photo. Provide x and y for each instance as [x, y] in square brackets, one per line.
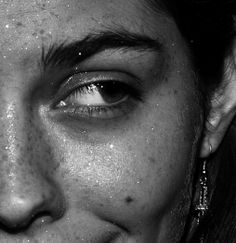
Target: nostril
[34, 221]
[17, 213]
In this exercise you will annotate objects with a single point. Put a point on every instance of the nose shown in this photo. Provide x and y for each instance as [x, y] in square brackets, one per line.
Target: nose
[21, 209]
[29, 192]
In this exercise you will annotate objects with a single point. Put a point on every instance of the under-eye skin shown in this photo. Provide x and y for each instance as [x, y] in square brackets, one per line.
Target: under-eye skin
[100, 95]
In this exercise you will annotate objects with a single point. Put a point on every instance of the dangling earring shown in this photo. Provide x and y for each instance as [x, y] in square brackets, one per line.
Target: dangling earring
[202, 206]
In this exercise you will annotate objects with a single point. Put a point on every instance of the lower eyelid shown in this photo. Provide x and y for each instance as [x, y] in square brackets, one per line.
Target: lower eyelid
[99, 112]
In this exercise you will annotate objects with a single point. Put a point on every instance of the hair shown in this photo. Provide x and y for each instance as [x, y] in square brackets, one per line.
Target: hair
[209, 28]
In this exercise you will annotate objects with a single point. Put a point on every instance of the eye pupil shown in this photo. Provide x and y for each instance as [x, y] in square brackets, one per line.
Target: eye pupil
[111, 92]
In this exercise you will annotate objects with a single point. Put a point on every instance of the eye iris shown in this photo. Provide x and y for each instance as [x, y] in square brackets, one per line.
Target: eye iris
[111, 92]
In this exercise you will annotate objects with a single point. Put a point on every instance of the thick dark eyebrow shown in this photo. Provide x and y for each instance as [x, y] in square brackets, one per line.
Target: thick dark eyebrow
[71, 54]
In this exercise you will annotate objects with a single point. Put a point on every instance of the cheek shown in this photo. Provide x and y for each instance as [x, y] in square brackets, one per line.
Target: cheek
[130, 178]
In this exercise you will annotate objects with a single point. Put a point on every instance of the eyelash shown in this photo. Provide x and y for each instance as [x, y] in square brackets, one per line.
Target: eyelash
[120, 108]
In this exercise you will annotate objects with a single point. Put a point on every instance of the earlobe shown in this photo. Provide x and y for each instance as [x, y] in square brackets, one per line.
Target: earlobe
[222, 107]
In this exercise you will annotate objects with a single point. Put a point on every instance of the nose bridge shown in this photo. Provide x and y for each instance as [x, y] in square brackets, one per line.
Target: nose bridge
[17, 152]
[15, 129]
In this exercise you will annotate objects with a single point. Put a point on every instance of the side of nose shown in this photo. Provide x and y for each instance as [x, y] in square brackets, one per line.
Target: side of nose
[28, 190]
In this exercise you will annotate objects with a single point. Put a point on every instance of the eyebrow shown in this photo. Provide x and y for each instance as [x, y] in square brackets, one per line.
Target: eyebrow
[71, 54]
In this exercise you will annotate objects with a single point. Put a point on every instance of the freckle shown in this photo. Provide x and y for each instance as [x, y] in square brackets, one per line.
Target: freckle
[143, 207]
[175, 92]
[19, 24]
[152, 160]
[41, 32]
[4, 157]
[129, 200]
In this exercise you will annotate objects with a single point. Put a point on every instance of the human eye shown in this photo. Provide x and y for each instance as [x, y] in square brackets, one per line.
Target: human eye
[100, 95]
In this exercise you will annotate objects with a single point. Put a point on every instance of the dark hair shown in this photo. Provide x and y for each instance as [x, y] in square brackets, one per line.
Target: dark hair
[209, 28]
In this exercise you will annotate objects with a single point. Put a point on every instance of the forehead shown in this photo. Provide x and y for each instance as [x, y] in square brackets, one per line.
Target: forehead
[27, 22]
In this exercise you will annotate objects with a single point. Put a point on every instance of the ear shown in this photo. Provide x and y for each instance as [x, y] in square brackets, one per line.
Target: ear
[222, 107]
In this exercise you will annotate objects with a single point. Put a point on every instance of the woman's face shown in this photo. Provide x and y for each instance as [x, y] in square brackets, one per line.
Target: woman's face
[99, 121]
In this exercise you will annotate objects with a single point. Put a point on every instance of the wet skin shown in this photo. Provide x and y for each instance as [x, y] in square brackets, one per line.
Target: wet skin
[98, 146]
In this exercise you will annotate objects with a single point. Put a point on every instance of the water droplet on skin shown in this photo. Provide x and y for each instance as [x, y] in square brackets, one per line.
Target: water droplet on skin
[84, 132]
[111, 146]
[9, 116]
[62, 103]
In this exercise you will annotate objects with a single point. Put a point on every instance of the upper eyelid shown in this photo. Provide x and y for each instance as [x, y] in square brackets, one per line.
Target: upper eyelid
[100, 76]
